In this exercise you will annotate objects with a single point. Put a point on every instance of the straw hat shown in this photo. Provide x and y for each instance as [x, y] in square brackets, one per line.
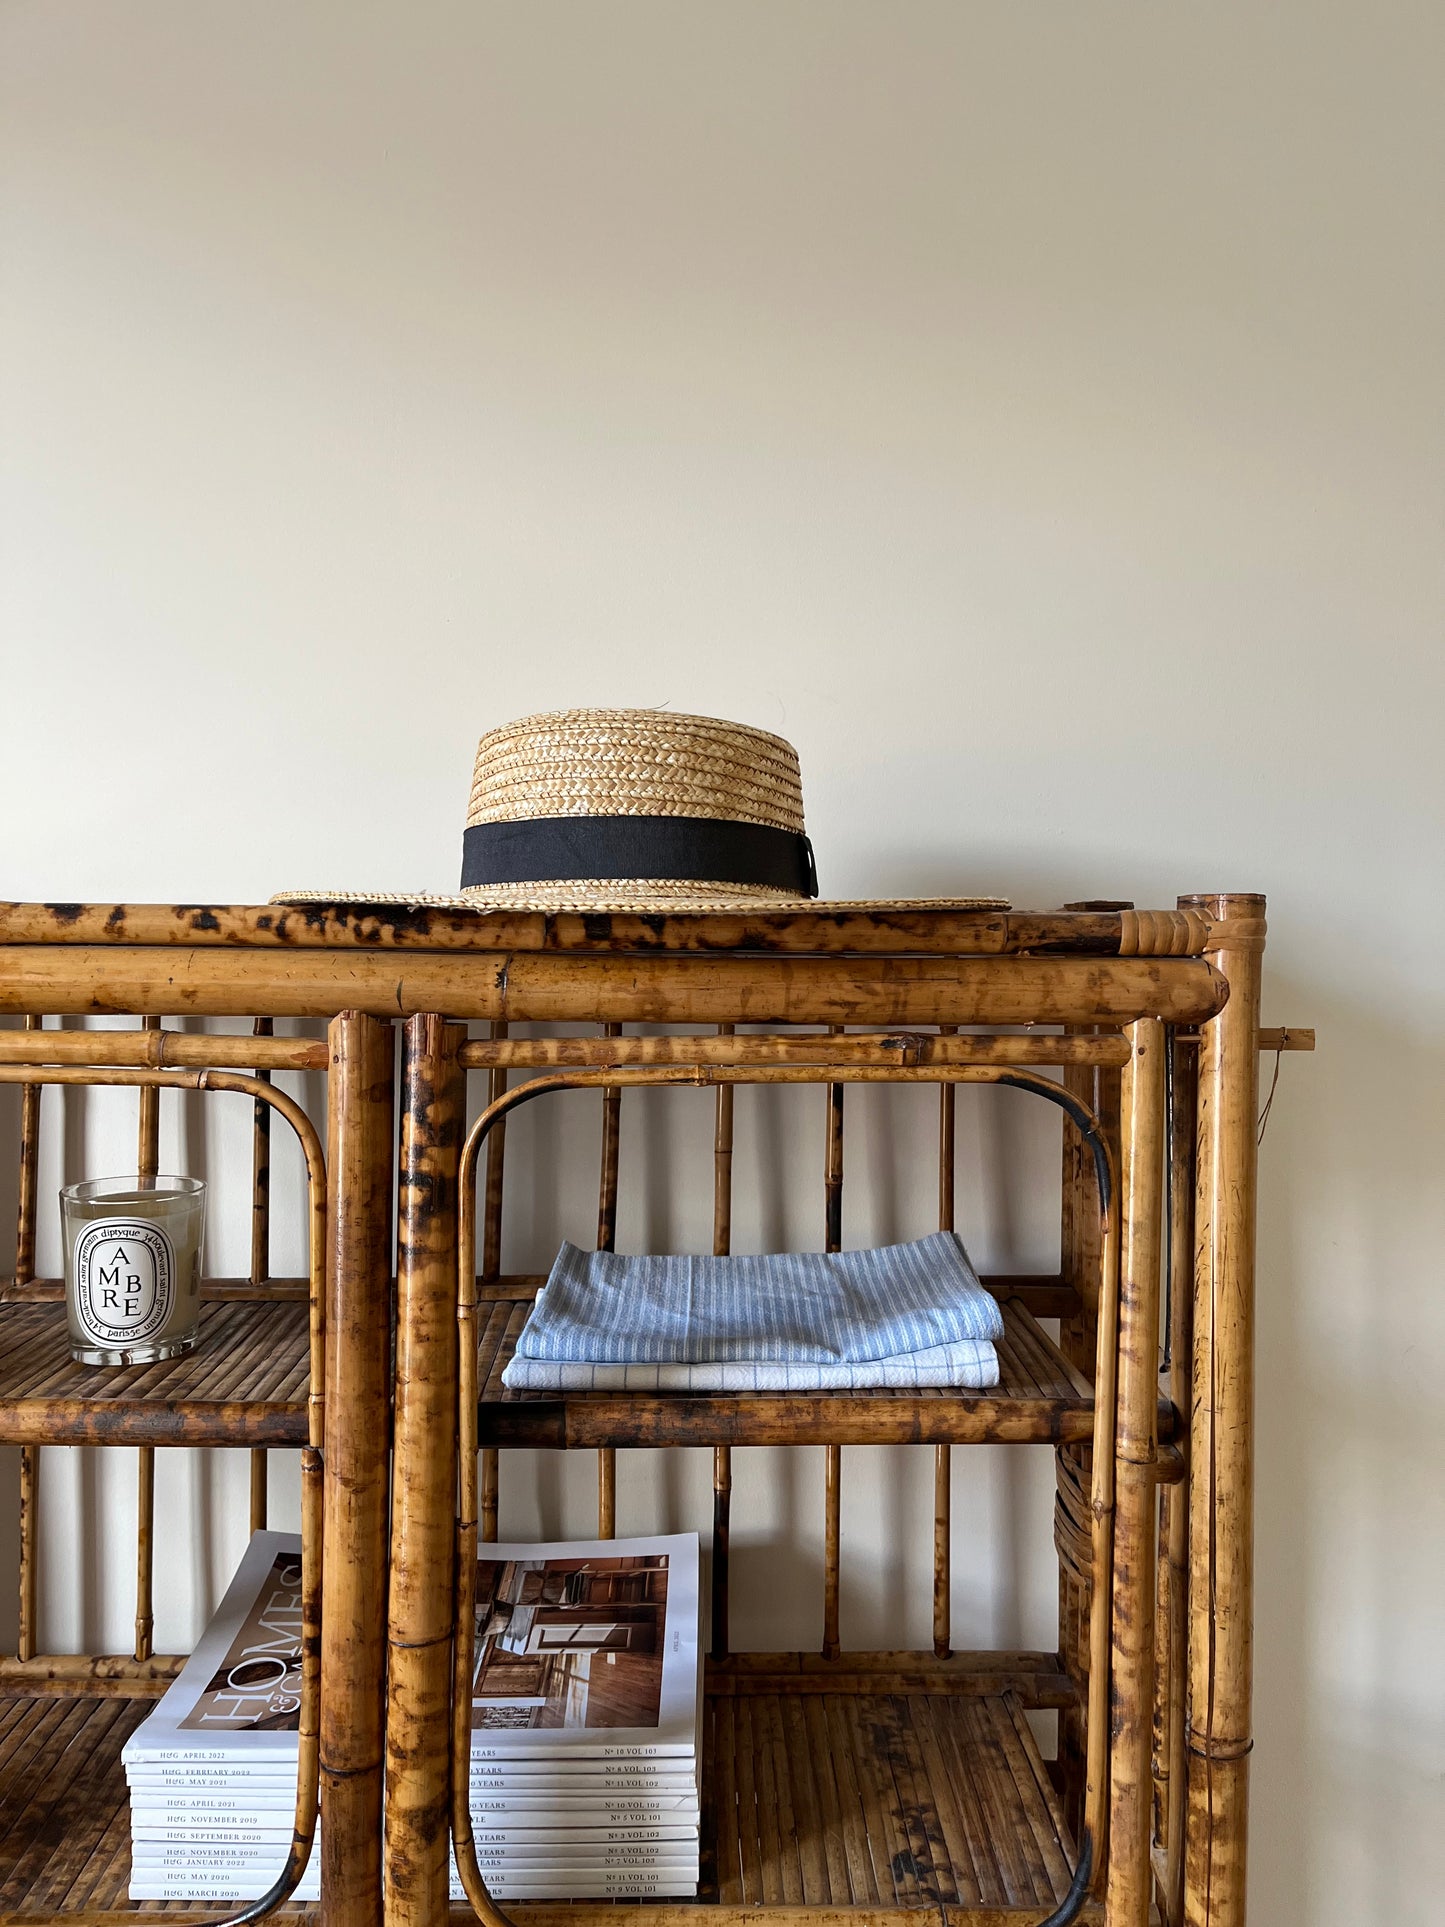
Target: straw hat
[633, 810]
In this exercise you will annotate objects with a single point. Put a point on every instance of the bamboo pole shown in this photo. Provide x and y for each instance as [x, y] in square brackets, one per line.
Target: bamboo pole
[607, 1241]
[942, 1550]
[1079, 1247]
[358, 1371]
[943, 1454]
[161, 1049]
[144, 1550]
[888, 1046]
[25, 1228]
[833, 1453]
[465, 1542]
[148, 1097]
[147, 1163]
[490, 1493]
[1136, 1447]
[29, 1177]
[722, 1457]
[722, 1494]
[1221, 1446]
[261, 1172]
[90, 1675]
[832, 1494]
[492, 1257]
[1173, 1642]
[25, 1643]
[1095, 1832]
[260, 1249]
[883, 990]
[419, 1627]
[405, 927]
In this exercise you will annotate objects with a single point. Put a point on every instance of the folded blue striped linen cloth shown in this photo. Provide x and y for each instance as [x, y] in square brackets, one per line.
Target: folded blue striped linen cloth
[780, 1308]
[971, 1365]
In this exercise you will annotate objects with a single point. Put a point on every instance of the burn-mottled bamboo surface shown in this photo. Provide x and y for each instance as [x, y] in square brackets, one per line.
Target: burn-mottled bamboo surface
[981, 933]
[1221, 1446]
[547, 988]
[420, 1615]
[1131, 1696]
[357, 1456]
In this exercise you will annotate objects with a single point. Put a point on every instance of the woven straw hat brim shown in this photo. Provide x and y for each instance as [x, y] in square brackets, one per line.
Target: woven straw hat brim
[664, 897]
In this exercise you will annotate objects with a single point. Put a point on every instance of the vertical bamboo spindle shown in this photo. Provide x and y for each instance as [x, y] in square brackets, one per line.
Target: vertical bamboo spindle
[722, 1456]
[606, 1241]
[1136, 1453]
[260, 1250]
[1080, 1237]
[29, 1521]
[29, 1181]
[29, 1177]
[1221, 1445]
[943, 1454]
[942, 1550]
[147, 1163]
[1173, 1637]
[357, 1451]
[492, 1267]
[145, 1507]
[147, 1154]
[833, 1490]
[423, 1479]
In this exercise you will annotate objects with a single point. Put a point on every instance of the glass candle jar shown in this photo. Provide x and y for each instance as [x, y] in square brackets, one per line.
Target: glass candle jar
[132, 1267]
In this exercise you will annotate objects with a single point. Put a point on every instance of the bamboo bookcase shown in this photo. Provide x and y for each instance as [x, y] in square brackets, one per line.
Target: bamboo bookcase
[838, 1786]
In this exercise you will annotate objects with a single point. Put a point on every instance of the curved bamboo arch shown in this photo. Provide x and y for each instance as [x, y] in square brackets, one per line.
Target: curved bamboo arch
[1095, 1828]
[308, 1765]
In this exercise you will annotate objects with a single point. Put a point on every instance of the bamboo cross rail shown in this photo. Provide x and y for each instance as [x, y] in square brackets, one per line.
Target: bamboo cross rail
[1117, 932]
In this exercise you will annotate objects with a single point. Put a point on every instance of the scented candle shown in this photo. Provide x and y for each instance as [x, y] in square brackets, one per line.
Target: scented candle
[132, 1267]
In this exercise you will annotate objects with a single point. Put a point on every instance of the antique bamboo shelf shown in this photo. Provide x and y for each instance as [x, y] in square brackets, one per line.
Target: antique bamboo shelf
[837, 1786]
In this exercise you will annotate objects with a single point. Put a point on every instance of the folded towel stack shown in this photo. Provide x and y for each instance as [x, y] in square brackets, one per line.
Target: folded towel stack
[906, 1315]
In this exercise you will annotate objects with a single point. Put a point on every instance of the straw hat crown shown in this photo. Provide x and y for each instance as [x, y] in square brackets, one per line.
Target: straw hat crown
[635, 762]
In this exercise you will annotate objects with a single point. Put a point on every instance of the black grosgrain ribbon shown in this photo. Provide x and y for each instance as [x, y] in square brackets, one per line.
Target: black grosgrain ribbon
[603, 849]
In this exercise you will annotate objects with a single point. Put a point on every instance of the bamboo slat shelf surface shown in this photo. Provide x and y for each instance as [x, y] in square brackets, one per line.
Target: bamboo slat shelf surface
[246, 1383]
[1041, 1399]
[854, 1801]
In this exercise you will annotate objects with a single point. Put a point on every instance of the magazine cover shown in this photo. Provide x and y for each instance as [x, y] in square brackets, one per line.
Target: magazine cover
[238, 1695]
[587, 1651]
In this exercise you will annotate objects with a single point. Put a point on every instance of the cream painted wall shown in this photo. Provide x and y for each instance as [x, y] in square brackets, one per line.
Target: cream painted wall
[1033, 412]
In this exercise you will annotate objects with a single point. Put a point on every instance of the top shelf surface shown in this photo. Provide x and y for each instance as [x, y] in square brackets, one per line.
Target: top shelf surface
[1095, 930]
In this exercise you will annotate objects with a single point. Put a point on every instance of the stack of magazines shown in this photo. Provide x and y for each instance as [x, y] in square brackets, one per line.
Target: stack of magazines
[584, 1767]
[212, 1772]
[585, 1694]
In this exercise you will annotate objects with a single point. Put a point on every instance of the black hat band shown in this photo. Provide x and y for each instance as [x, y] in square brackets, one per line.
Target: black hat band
[603, 849]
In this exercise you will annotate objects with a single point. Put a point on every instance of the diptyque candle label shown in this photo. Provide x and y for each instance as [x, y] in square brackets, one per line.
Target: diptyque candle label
[125, 1272]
